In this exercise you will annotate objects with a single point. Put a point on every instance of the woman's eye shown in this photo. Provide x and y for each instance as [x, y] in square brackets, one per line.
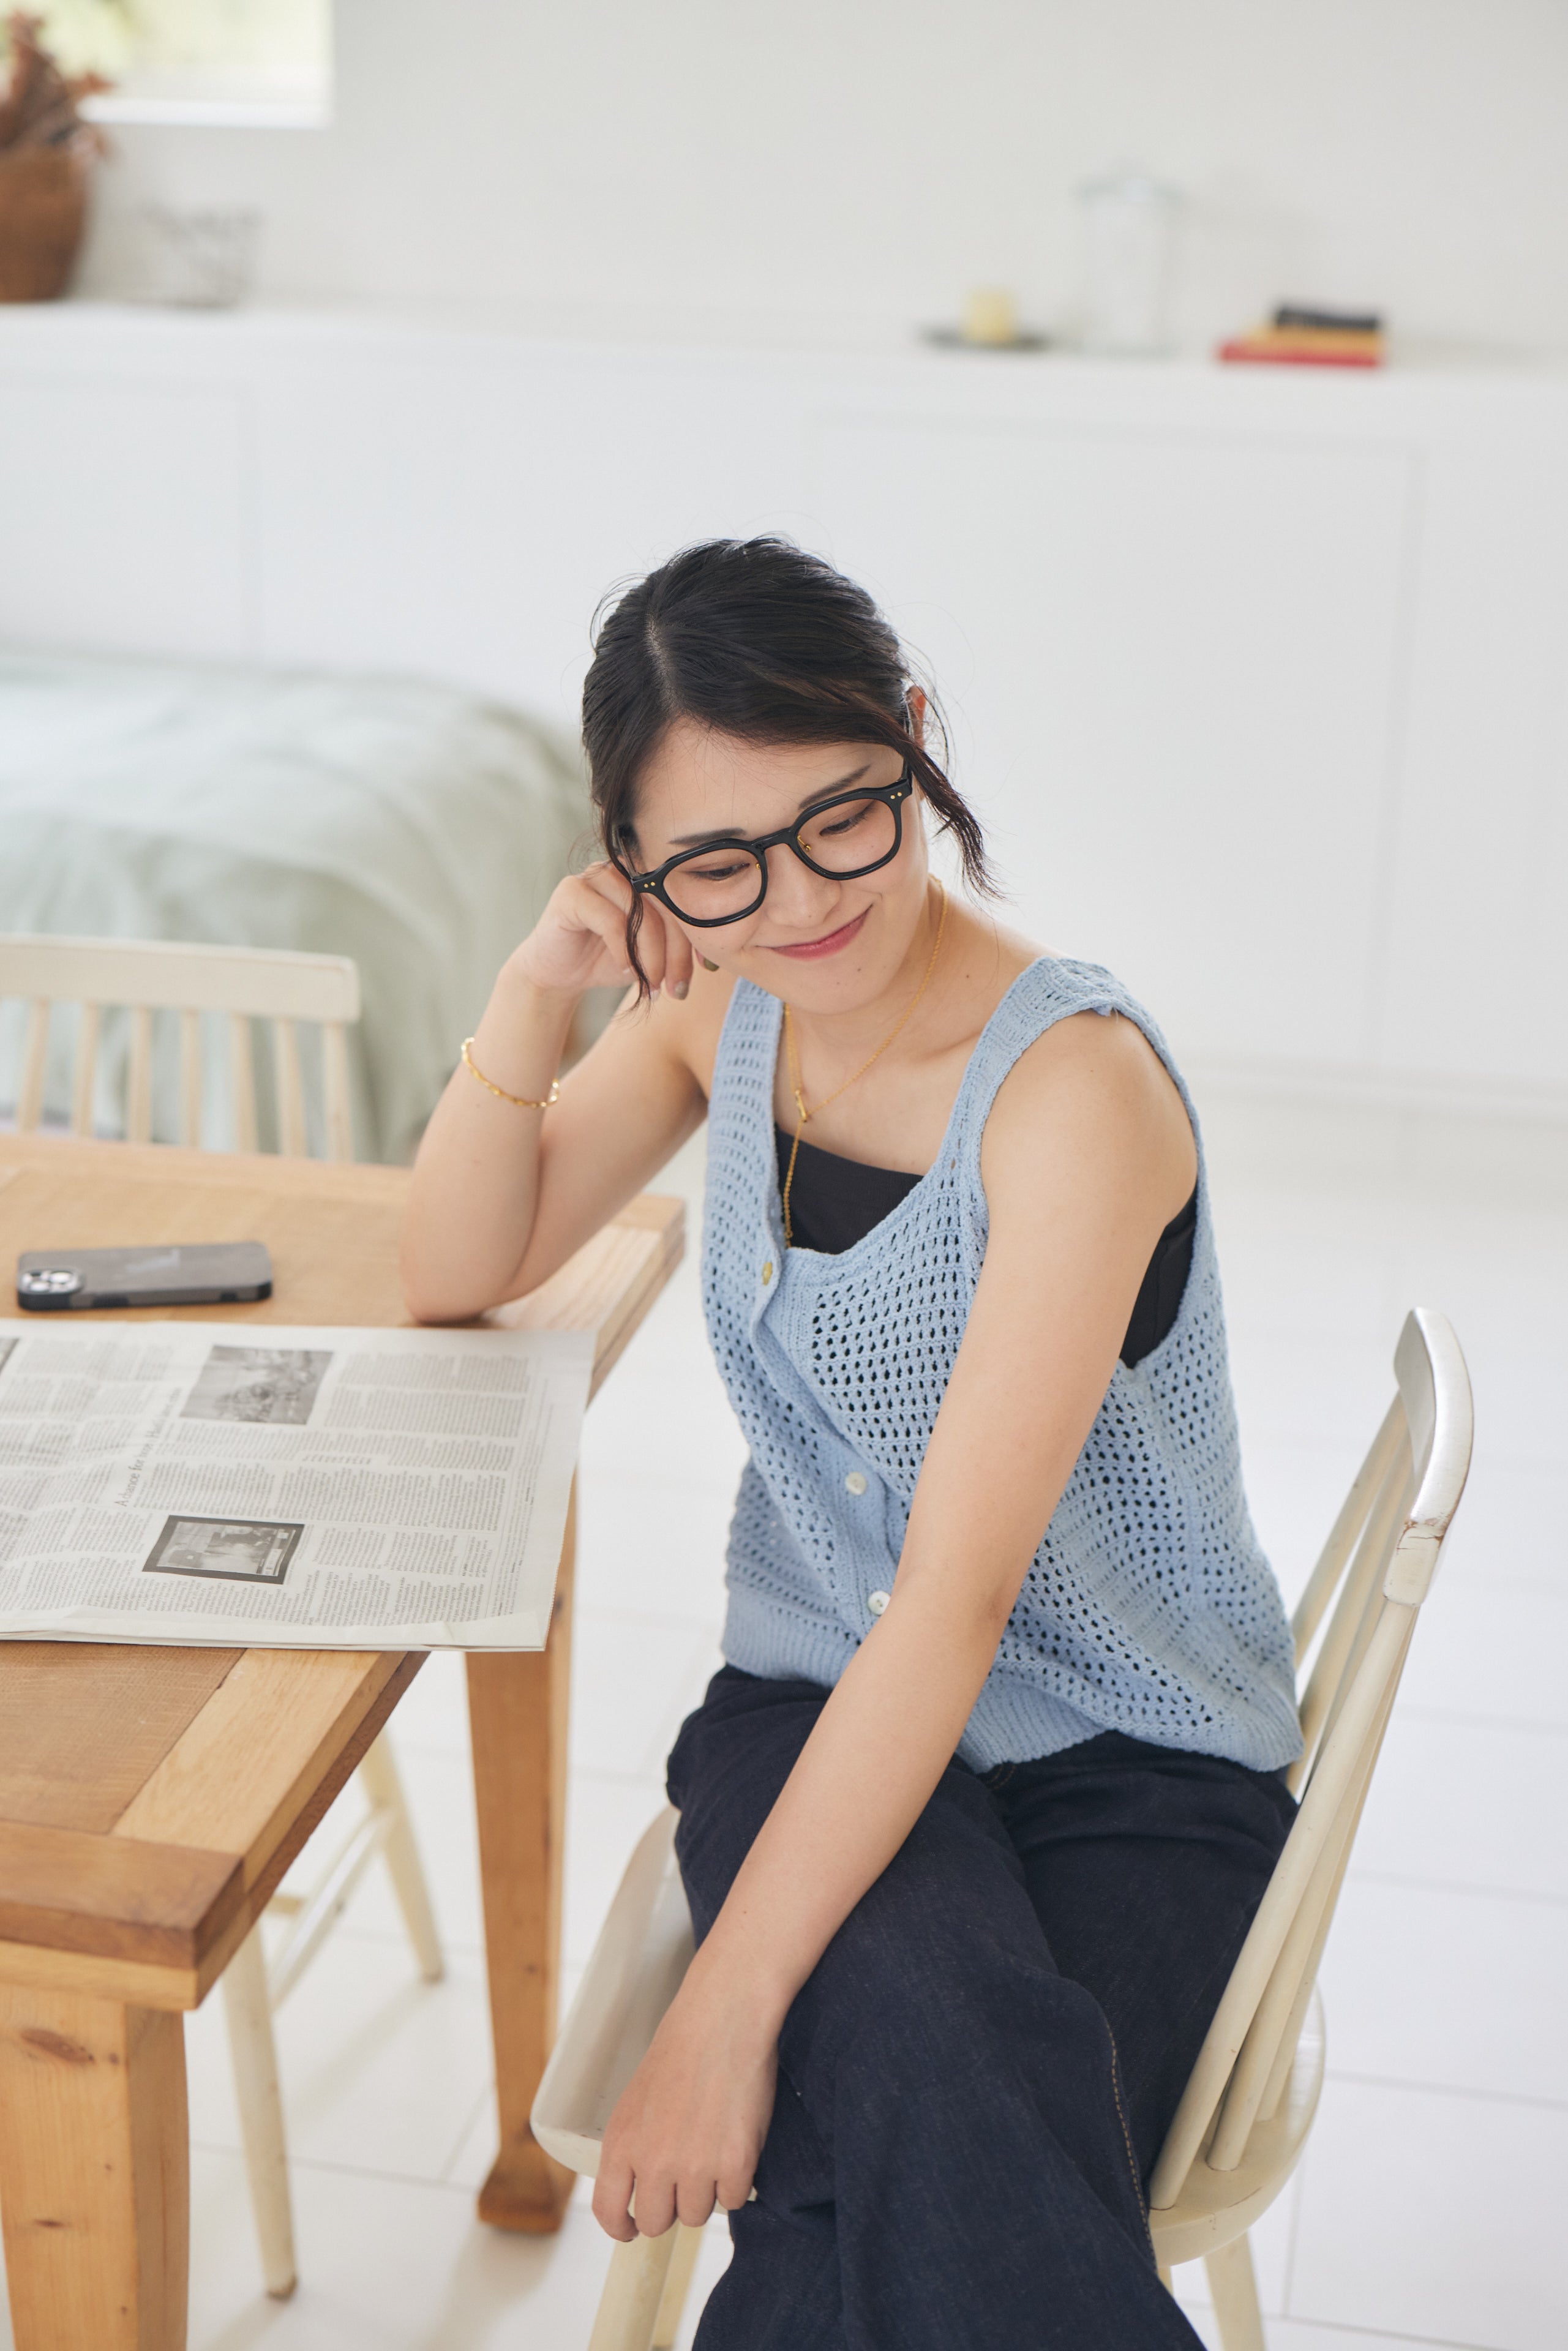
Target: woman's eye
[715, 872]
[848, 822]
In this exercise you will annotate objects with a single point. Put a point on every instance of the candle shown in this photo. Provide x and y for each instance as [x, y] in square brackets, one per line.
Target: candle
[990, 316]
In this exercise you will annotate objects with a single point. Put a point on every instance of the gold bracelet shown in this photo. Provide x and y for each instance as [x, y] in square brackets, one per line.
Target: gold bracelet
[519, 1102]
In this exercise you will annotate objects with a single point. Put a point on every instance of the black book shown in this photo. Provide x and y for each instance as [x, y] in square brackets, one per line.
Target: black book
[1335, 322]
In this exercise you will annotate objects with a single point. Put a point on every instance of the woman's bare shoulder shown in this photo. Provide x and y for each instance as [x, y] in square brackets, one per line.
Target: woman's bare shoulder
[1094, 1096]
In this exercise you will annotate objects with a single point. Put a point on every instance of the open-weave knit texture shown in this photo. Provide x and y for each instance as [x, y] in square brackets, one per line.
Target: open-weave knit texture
[1149, 1607]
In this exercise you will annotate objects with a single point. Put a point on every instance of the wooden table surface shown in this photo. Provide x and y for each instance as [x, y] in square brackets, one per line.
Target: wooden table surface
[150, 1799]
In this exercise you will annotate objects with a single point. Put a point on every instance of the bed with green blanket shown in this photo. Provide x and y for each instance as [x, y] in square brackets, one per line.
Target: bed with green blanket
[416, 827]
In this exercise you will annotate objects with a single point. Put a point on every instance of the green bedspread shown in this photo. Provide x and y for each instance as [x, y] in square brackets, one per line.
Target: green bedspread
[412, 826]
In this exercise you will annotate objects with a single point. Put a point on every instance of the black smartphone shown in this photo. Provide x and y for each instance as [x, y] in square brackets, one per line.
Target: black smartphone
[204, 1273]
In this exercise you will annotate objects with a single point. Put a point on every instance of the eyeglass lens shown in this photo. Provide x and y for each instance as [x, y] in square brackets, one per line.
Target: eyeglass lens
[720, 883]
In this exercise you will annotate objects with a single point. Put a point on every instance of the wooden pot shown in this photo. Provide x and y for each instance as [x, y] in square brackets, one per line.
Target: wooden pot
[43, 213]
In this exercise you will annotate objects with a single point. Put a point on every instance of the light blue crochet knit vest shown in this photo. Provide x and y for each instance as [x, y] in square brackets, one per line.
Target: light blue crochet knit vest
[1149, 1607]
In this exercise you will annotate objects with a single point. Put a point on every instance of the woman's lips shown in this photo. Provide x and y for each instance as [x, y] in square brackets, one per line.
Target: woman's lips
[808, 950]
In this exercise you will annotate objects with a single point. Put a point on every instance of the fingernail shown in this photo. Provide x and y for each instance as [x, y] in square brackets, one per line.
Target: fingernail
[678, 989]
[706, 965]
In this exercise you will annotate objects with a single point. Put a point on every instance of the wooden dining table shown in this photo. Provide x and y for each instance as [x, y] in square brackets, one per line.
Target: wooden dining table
[151, 1798]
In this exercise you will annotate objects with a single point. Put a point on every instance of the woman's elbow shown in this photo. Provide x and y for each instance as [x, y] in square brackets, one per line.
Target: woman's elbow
[429, 1296]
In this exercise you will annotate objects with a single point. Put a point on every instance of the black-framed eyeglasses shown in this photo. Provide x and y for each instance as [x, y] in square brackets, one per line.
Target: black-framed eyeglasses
[724, 880]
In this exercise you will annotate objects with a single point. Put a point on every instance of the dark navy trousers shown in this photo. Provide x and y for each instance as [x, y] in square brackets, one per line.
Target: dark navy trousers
[976, 2080]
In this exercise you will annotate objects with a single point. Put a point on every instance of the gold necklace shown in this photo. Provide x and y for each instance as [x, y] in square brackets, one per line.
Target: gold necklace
[792, 1050]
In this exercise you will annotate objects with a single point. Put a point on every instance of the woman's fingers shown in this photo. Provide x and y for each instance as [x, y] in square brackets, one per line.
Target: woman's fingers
[605, 906]
[679, 959]
[663, 949]
[628, 2203]
[653, 2205]
[650, 949]
[612, 2199]
[735, 2184]
[688, 2128]
[694, 2202]
[656, 935]
[581, 939]
[666, 952]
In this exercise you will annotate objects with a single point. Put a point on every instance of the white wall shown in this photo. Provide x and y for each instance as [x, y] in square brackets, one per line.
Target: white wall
[878, 156]
[1257, 676]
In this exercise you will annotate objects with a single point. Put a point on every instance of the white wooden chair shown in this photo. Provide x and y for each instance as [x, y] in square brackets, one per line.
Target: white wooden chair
[1243, 2120]
[253, 1991]
[149, 975]
[144, 977]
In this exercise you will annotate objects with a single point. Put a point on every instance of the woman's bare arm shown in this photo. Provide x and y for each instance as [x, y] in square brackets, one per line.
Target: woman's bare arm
[502, 1196]
[1088, 1154]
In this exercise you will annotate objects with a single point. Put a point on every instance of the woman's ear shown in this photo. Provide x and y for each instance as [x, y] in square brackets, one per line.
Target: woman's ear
[914, 702]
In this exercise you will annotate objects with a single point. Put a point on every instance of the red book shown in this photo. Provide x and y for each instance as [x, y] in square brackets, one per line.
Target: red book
[1303, 347]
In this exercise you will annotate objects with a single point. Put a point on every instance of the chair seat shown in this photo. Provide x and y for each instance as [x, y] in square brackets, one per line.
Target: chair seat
[643, 1951]
[1217, 2207]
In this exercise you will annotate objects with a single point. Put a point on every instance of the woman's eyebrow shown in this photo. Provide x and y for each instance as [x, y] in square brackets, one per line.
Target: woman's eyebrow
[733, 833]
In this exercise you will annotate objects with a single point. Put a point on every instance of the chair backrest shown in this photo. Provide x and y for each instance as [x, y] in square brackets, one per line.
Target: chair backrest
[146, 975]
[1380, 1558]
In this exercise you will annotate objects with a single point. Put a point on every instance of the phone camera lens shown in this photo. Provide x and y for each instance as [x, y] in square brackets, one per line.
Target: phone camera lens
[48, 1281]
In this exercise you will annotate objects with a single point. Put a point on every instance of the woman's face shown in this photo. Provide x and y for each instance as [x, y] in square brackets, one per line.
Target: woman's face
[823, 945]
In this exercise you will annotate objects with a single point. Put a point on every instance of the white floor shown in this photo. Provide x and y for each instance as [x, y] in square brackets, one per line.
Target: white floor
[1422, 2213]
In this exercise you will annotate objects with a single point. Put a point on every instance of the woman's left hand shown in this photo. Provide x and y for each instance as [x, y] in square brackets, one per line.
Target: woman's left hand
[689, 2126]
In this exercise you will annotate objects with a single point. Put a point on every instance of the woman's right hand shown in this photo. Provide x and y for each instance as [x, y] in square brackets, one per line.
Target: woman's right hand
[580, 940]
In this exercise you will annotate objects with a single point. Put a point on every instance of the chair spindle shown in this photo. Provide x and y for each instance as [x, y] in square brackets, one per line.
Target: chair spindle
[1254, 2067]
[1346, 1526]
[242, 1081]
[191, 1080]
[1362, 1577]
[335, 1077]
[34, 1054]
[289, 1087]
[138, 1076]
[85, 1069]
[1315, 1823]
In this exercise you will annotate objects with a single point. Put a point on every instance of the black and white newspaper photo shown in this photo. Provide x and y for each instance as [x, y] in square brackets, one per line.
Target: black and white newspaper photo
[196, 1482]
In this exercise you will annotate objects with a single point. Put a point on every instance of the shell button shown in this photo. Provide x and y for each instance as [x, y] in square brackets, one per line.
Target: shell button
[877, 1600]
[856, 1481]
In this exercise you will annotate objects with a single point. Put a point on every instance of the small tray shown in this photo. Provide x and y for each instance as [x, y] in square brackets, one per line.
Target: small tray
[952, 338]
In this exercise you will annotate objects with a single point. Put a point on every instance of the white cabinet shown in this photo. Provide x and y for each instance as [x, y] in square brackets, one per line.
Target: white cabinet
[1257, 679]
[1477, 979]
[122, 512]
[1172, 663]
[462, 505]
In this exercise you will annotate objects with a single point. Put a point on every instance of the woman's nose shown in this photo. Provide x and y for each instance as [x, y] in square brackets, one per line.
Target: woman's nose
[796, 896]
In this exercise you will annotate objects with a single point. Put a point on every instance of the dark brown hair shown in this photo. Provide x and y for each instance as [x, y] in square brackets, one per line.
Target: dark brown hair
[757, 639]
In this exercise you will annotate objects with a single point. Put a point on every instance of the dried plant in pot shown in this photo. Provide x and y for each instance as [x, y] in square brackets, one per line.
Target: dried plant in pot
[46, 153]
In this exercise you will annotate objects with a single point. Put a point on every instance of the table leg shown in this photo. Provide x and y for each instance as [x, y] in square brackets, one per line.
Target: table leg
[94, 2172]
[517, 1707]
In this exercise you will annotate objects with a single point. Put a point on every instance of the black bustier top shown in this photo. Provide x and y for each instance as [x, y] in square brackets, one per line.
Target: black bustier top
[834, 1202]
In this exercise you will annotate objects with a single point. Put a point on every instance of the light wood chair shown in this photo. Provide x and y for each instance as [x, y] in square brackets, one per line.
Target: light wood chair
[1244, 2118]
[143, 976]
[253, 1991]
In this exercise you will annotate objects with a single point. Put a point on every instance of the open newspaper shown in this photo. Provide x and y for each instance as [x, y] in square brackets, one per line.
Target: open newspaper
[262, 1486]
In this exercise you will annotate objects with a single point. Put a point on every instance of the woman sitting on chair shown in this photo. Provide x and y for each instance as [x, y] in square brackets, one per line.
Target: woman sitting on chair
[976, 1817]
